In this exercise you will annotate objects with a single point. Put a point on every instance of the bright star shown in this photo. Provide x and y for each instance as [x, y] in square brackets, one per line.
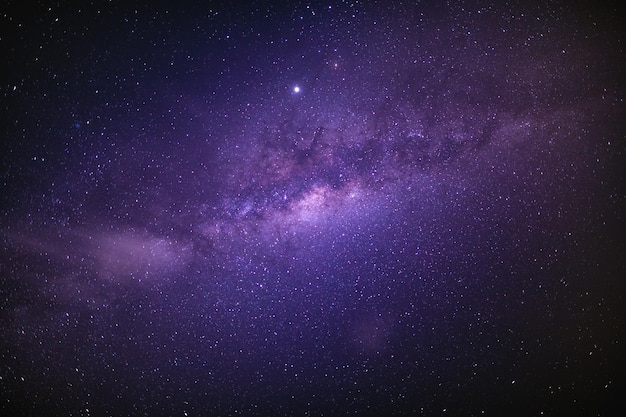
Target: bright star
[296, 89]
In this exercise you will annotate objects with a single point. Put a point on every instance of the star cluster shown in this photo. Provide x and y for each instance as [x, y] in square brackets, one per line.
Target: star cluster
[343, 208]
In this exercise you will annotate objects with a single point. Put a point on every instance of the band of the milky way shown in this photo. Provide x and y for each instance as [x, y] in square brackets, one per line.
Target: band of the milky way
[291, 208]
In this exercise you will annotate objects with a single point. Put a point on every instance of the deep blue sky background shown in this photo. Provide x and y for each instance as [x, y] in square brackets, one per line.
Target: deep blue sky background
[432, 223]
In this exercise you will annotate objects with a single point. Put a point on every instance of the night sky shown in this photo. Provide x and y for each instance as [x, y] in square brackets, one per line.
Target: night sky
[312, 209]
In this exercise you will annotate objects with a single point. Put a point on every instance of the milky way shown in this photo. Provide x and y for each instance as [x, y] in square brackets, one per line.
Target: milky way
[312, 209]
